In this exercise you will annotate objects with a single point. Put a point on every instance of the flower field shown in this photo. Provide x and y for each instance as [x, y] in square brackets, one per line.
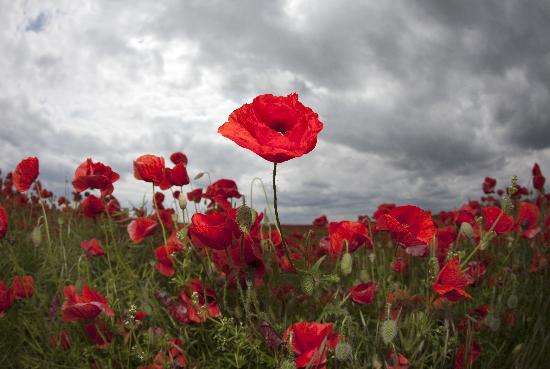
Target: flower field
[198, 279]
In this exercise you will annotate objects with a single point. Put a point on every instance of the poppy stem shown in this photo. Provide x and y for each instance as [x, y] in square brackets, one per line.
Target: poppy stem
[159, 218]
[279, 228]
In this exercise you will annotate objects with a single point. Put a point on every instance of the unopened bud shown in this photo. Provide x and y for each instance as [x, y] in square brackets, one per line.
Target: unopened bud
[467, 230]
[343, 351]
[36, 236]
[388, 330]
[308, 284]
[346, 264]
[182, 201]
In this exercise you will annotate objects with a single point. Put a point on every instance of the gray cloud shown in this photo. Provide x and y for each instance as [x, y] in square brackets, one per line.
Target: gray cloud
[420, 100]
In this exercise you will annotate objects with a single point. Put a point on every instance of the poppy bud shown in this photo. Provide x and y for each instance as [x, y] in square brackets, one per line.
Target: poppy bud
[467, 230]
[182, 201]
[244, 218]
[36, 236]
[308, 284]
[346, 264]
[343, 351]
[388, 330]
[288, 364]
[364, 276]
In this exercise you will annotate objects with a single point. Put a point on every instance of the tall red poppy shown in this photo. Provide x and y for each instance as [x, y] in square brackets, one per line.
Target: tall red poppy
[92, 247]
[149, 168]
[505, 221]
[86, 306]
[90, 175]
[141, 228]
[307, 343]
[450, 281]
[410, 226]
[353, 234]
[212, 230]
[3, 222]
[25, 173]
[278, 128]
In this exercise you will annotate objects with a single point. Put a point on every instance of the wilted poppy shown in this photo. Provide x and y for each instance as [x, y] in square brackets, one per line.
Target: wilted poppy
[86, 306]
[3, 222]
[410, 226]
[307, 343]
[489, 185]
[212, 230]
[91, 206]
[505, 221]
[149, 168]
[98, 333]
[450, 281]
[195, 195]
[25, 173]
[221, 191]
[22, 286]
[353, 234]
[364, 293]
[538, 178]
[141, 228]
[90, 175]
[92, 247]
[278, 128]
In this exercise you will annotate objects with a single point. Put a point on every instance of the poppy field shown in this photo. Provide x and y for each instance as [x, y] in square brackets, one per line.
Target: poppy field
[198, 278]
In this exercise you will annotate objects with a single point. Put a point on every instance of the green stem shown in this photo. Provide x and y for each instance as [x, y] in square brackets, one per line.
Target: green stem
[285, 246]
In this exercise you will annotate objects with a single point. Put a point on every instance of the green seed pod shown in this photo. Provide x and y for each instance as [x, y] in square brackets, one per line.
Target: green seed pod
[182, 201]
[288, 364]
[308, 284]
[512, 302]
[467, 230]
[343, 351]
[36, 236]
[244, 218]
[331, 278]
[388, 330]
[346, 264]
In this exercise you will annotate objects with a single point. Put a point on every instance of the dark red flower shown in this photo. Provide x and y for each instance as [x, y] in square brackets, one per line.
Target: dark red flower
[364, 293]
[322, 221]
[444, 237]
[25, 173]
[178, 158]
[410, 226]
[464, 357]
[3, 222]
[149, 168]
[212, 230]
[22, 286]
[86, 306]
[353, 234]
[92, 247]
[220, 192]
[98, 333]
[450, 281]
[397, 361]
[307, 339]
[91, 206]
[6, 298]
[178, 175]
[505, 222]
[164, 255]
[141, 228]
[90, 175]
[528, 220]
[538, 178]
[159, 200]
[202, 306]
[195, 195]
[489, 185]
[278, 128]
[112, 207]
[400, 265]
[475, 272]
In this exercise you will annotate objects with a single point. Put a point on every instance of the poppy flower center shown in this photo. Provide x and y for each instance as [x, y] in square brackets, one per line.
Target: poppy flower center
[281, 126]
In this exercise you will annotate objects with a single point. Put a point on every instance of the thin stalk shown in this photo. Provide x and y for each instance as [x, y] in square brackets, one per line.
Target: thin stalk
[285, 246]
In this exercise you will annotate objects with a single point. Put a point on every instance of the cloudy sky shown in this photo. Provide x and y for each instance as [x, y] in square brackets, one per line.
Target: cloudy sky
[420, 99]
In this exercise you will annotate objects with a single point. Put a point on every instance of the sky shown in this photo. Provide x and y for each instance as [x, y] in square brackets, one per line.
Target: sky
[420, 99]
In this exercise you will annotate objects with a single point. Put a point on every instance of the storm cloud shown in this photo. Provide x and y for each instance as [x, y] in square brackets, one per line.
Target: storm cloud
[420, 99]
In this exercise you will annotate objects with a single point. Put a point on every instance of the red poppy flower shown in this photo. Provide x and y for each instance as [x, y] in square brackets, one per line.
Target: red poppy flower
[22, 286]
[278, 128]
[322, 221]
[450, 281]
[353, 234]
[464, 357]
[165, 217]
[444, 238]
[159, 199]
[6, 298]
[307, 339]
[211, 230]
[178, 158]
[397, 361]
[164, 254]
[25, 173]
[528, 220]
[195, 195]
[504, 224]
[400, 265]
[141, 228]
[98, 333]
[86, 306]
[475, 272]
[538, 178]
[149, 168]
[90, 175]
[220, 191]
[364, 293]
[412, 227]
[383, 209]
[3, 222]
[92, 247]
[112, 207]
[205, 304]
[489, 185]
[178, 175]
[91, 206]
